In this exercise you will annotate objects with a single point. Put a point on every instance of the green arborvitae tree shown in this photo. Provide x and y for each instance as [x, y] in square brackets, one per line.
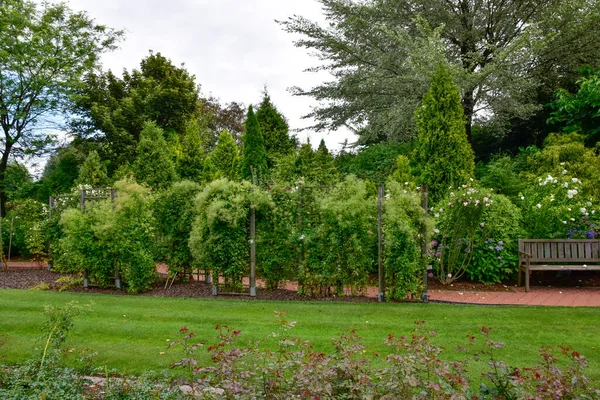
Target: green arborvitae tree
[191, 158]
[154, 165]
[443, 152]
[254, 160]
[274, 128]
[92, 172]
[325, 171]
[225, 158]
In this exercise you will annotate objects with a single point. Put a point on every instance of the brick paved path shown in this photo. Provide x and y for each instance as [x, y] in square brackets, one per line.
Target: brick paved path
[537, 296]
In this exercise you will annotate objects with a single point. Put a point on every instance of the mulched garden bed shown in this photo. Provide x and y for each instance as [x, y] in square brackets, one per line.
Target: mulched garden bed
[27, 278]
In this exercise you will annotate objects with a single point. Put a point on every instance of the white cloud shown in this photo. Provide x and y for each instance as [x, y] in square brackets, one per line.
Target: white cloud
[233, 47]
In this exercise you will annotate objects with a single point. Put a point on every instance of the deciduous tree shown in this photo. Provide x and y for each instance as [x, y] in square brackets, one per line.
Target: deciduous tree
[380, 55]
[45, 50]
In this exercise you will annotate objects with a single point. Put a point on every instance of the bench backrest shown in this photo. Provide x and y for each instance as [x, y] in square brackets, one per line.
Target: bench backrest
[561, 250]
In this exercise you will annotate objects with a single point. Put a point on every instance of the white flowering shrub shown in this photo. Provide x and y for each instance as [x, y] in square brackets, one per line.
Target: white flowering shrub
[559, 207]
[477, 233]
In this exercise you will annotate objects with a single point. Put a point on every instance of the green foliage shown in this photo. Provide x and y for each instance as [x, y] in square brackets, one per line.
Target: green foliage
[558, 207]
[340, 245]
[443, 152]
[190, 160]
[111, 112]
[375, 162]
[17, 182]
[579, 112]
[108, 237]
[92, 172]
[26, 218]
[307, 166]
[154, 164]
[219, 240]
[567, 152]
[504, 175]
[403, 219]
[46, 49]
[403, 174]
[380, 56]
[59, 175]
[254, 158]
[477, 234]
[174, 214]
[225, 158]
[277, 248]
[274, 128]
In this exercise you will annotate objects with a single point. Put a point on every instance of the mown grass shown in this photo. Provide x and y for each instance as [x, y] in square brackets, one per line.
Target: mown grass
[130, 332]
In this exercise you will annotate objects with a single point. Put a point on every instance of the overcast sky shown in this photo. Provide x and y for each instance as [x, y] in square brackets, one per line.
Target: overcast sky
[233, 47]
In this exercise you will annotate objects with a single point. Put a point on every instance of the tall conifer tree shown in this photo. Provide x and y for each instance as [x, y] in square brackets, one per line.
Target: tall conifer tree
[154, 165]
[274, 128]
[444, 154]
[254, 161]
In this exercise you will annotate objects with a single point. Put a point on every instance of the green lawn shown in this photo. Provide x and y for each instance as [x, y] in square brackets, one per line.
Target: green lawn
[130, 332]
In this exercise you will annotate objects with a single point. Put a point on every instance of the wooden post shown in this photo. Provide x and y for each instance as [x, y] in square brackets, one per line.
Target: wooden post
[252, 251]
[381, 292]
[117, 279]
[82, 199]
[301, 242]
[113, 194]
[424, 204]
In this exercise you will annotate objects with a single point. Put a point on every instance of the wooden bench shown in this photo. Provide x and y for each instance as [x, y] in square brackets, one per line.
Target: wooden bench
[557, 255]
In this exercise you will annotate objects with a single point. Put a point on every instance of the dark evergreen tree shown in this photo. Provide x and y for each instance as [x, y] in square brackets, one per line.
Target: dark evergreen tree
[254, 161]
[154, 164]
[274, 128]
[444, 154]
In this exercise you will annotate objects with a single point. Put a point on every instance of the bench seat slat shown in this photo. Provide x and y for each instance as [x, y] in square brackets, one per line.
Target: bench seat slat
[543, 267]
[563, 260]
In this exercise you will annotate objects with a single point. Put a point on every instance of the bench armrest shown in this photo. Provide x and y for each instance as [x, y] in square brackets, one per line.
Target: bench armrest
[522, 253]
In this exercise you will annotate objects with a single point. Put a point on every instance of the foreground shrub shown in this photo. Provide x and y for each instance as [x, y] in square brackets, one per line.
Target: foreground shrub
[219, 239]
[111, 236]
[414, 369]
[277, 239]
[174, 214]
[341, 240]
[403, 220]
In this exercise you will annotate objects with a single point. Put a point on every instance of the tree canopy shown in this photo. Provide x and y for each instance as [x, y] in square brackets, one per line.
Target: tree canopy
[111, 111]
[45, 50]
[380, 55]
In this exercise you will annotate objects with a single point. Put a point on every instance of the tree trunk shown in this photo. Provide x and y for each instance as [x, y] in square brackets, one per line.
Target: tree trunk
[3, 165]
[468, 104]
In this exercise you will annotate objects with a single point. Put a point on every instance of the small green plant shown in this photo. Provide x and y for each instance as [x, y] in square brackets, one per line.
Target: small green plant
[68, 282]
[43, 286]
